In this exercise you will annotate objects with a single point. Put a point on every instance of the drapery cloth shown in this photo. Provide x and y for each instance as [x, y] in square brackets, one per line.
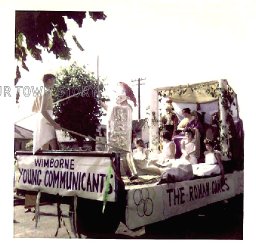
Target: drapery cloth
[43, 131]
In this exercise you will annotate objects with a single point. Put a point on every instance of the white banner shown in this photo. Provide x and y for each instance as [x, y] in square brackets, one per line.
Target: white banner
[66, 175]
[149, 204]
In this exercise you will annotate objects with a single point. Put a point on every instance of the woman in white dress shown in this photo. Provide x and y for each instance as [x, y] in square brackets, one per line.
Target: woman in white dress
[188, 148]
[212, 165]
[181, 169]
[44, 135]
[168, 152]
[140, 156]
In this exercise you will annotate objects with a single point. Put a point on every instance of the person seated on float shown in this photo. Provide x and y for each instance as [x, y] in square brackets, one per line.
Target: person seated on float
[187, 121]
[191, 121]
[188, 147]
[180, 169]
[212, 165]
[188, 150]
[141, 158]
[168, 150]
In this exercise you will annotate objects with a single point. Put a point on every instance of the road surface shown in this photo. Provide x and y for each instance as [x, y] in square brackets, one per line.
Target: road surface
[222, 221]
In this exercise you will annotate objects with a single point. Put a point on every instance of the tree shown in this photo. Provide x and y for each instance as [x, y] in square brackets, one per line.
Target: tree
[80, 113]
[37, 30]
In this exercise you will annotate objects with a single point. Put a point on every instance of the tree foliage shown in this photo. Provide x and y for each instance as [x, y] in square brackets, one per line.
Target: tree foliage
[37, 30]
[80, 113]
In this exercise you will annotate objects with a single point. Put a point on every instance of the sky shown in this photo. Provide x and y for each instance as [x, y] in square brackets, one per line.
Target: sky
[167, 42]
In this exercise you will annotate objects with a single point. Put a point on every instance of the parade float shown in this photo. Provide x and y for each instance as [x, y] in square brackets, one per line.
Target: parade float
[100, 197]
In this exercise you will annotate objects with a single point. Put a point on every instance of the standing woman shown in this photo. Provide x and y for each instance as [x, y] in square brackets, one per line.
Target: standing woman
[44, 136]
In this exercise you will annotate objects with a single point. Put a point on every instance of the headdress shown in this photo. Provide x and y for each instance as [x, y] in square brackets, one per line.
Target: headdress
[127, 90]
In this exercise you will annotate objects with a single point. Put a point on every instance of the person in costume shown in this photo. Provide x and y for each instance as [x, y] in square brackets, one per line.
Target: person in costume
[181, 169]
[119, 128]
[212, 164]
[187, 121]
[44, 135]
[141, 160]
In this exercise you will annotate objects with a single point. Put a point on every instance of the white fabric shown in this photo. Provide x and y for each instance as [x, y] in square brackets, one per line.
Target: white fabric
[189, 147]
[140, 153]
[166, 153]
[210, 167]
[179, 173]
[43, 132]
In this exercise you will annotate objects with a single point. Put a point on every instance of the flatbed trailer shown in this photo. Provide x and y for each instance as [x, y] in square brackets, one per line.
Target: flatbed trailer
[136, 204]
[100, 198]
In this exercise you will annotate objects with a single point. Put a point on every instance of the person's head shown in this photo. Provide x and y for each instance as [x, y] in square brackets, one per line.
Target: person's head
[125, 94]
[209, 144]
[140, 143]
[186, 112]
[49, 80]
[189, 134]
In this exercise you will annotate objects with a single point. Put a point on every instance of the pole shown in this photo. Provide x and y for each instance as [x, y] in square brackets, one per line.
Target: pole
[139, 105]
[139, 98]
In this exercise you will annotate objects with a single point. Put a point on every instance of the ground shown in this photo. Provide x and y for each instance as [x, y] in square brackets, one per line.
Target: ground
[222, 221]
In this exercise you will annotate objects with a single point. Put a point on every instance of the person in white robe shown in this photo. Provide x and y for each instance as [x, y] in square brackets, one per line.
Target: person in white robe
[212, 164]
[181, 169]
[141, 158]
[44, 135]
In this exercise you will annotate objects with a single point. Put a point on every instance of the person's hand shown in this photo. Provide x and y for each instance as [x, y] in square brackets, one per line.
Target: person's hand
[57, 126]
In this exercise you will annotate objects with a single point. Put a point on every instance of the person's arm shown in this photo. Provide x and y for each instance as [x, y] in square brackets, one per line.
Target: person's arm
[45, 113]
